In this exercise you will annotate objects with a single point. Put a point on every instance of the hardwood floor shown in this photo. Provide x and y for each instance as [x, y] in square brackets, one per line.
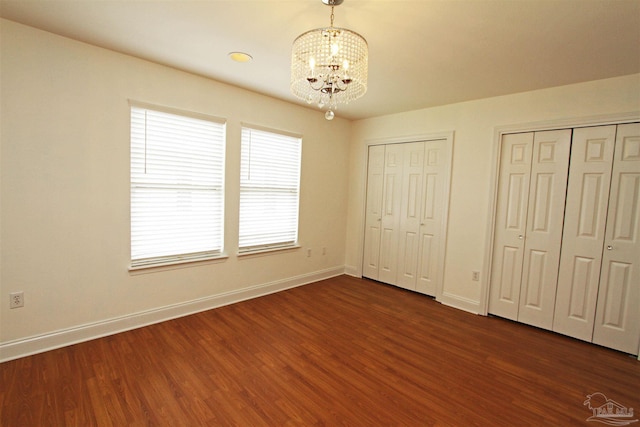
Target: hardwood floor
[343, 351]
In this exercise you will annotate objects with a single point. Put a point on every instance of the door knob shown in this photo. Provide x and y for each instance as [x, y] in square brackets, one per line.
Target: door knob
[521, 237]
[609, 247]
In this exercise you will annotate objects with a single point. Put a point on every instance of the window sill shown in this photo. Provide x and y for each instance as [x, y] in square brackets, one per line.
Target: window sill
[170, 265]
[267, 251]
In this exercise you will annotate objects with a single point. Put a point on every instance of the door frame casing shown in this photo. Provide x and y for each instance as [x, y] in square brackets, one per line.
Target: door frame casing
[448, 136]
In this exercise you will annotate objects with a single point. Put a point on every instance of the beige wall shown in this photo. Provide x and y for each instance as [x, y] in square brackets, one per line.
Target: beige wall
[65, 191]
[475, 125]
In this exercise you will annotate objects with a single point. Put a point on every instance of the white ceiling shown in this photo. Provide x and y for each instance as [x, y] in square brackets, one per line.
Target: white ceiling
[422, 53]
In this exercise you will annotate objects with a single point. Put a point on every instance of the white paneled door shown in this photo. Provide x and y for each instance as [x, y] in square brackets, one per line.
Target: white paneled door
[434, 199]
[409, 231]
[528, 231]
[510, 224]
[373, 212]
[584, 227]
[617, 323]
[566, 252]
[391, 203]
[543, 236]
[407, 194]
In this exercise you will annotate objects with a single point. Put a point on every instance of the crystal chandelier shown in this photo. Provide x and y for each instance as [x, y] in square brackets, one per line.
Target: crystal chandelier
[329, 65]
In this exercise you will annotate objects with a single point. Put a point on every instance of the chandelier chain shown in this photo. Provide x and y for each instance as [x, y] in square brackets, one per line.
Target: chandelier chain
[332, 16]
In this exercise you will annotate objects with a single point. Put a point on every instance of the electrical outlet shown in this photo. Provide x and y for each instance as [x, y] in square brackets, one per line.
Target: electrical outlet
[475, 276]
[16, 299]
[324, 251]
[308, 252]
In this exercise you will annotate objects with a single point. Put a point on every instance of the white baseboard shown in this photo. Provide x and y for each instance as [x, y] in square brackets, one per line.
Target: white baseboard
[62, 338]
[459, 303]
[351, 270]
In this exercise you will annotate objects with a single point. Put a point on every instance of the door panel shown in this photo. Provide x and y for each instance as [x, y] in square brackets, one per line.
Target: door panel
[373, 212]
[511, 270]
[585, 220]
[510, 226]
[427, 268]
[549, 171]
[537, 263]
[408, 259]
[583, 272]
[617, 321]
[616, 295]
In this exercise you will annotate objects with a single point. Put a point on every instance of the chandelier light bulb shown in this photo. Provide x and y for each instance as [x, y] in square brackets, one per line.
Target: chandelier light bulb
[335, 47]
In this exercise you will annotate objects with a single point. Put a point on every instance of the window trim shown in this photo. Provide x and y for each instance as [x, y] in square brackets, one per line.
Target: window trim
[283, 246]
[176, 111]
[192, 257]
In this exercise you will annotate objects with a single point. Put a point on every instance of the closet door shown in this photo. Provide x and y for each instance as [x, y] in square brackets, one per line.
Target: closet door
[390, 220]
[528, 230]
[617, 322]
[409, 229]
[431, 235]
[405, 213]
[373, 212]
[543, 236]
[584, 228]
[510, 226]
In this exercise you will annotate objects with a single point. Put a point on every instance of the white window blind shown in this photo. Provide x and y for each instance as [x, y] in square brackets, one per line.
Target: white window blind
[269, 190]
[177, 187]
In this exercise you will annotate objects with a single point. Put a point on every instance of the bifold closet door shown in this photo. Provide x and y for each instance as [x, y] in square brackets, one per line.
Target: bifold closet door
[382, 218]
[410, 208]
[510, 224]
[589, 240]
[543, 235]
[434, 197]
[584, 229]
[617, 321]
[373, 212]
[390, 219]
[406, 206]
[528, 231]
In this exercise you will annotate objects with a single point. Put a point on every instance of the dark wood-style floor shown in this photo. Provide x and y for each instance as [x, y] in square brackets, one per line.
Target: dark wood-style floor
[343, 351]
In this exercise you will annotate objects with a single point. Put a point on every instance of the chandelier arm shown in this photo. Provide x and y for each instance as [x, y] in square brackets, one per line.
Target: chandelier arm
[316, 84]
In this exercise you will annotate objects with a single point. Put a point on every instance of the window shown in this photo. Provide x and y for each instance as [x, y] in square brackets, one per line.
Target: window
[177, 187]
[269, 190]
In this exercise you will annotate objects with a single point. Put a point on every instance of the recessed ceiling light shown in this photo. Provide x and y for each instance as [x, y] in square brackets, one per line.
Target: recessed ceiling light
[240, 56]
